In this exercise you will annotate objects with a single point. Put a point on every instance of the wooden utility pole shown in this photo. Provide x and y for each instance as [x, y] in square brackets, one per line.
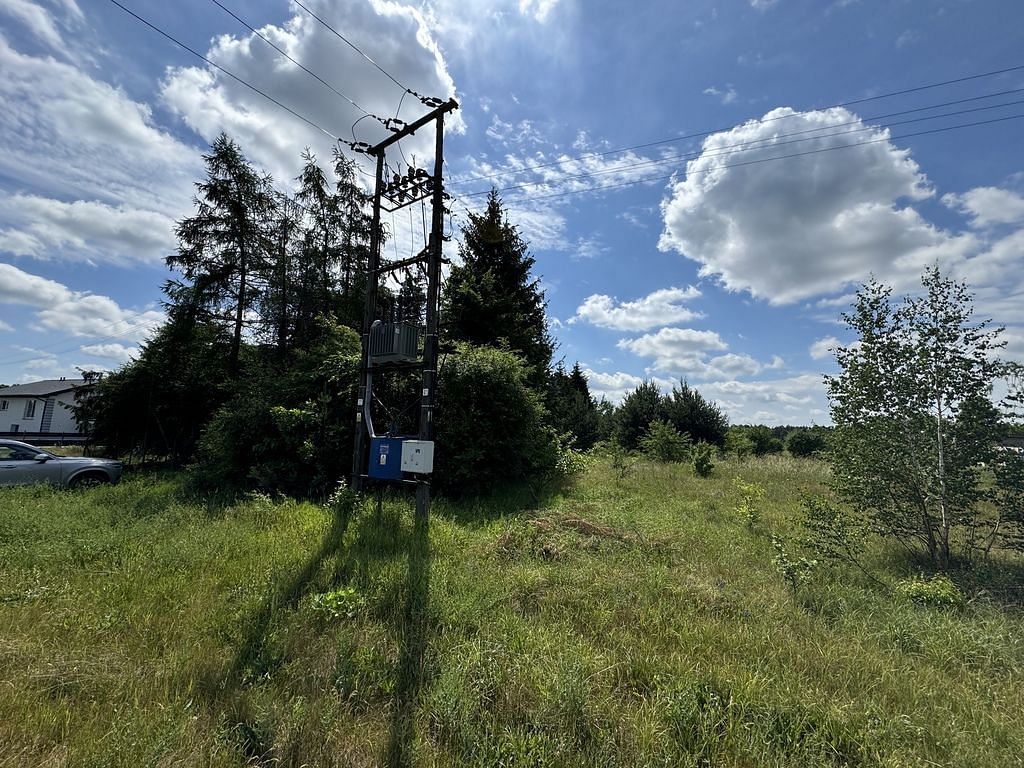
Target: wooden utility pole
[400, 192]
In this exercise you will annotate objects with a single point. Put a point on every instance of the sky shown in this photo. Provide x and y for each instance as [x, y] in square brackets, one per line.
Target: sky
[703, 185]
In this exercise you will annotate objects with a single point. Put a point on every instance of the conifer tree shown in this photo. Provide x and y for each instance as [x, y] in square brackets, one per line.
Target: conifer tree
[492, 298]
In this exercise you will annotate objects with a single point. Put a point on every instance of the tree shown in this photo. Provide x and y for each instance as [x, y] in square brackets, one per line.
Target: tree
[691, 413]
[804, 443]
[491, 298]
[223, 249]
[914, 424]
[571, 408]
[633, 417]
[491, 425]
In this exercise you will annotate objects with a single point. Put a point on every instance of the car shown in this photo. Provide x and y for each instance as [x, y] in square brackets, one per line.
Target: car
[23, 464]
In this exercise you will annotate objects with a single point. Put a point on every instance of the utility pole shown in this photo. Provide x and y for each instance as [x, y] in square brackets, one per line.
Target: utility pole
[400, 192]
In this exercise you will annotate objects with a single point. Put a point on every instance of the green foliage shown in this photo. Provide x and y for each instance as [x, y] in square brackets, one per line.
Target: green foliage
[914, 424]
[571, 409]
[690, 412]
[749, 507]
[805, 443]
[491, 424]
[738, 442]
[796, 572]
[491, 298]
[939, 591]
[638, 410]
[762, 439]
[288, 428]
[703, 459]
[158, 404]
[664, 443]
[341, 603]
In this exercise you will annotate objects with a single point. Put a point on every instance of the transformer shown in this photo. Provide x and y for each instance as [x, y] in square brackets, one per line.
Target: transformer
[394, 342]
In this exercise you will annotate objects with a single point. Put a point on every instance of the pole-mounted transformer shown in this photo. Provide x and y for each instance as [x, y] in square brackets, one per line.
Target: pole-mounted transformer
[391, 347]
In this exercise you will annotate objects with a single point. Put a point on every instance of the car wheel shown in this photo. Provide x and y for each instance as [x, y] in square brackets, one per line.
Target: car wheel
[89, 480]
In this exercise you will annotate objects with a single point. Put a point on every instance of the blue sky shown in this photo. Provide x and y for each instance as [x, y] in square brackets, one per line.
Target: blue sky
[708, 256]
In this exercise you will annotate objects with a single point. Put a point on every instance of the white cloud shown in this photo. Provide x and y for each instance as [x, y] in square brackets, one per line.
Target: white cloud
[804, 226]
[797, 399]
[6, 326]
[538, 9]
[762, 5]
[45, 228]
[75, 313]
[987, 206]
[726, 96]
[662, 307]
[402, 44]
[118, 352]
[68, 135]
[676, 350]
[36, 19]
[822, 348]
[611, 386]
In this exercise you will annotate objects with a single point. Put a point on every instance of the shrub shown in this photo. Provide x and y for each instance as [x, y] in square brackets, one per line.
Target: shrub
[703, 463]
[665, 443]
[490, 423]
[795, 572]
[939, 591]
[804, 443]
[750, 497]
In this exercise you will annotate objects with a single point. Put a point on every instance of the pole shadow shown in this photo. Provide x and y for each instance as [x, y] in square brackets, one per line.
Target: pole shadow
[413, 645]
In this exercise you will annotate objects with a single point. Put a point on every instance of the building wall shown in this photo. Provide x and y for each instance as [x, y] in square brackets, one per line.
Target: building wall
[63, 420]
[12, 419]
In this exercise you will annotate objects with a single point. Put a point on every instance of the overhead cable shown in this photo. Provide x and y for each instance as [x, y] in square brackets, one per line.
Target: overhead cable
[701, 134]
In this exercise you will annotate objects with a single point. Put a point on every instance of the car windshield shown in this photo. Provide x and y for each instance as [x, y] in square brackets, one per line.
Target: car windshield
[20, 452]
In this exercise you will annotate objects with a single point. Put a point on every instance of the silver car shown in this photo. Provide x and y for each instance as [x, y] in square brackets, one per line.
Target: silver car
[21, 464]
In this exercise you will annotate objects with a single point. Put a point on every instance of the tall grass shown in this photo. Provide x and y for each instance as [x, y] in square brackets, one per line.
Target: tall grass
[623, 621]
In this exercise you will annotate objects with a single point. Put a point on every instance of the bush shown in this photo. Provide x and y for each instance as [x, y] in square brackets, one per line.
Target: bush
[665, 443]
[804, 443]
[703, 462]
[490, 423]
[939, 591]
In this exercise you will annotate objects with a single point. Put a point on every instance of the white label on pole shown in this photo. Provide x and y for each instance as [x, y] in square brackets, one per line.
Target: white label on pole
[426, 392]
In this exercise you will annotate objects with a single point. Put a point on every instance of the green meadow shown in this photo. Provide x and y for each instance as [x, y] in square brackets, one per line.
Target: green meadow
[634, 617]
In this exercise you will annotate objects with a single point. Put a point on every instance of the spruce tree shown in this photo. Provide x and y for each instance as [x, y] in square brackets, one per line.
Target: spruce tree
[492, 298]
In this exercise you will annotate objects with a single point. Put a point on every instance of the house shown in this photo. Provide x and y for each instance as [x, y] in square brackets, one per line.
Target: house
[28, 411]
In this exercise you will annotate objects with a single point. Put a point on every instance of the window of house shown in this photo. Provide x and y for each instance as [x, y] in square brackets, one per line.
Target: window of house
[30, 409]
[14, 427]
[3, 405]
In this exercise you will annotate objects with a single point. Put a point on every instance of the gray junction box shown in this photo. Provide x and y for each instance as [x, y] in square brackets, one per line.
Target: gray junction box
[394, 342]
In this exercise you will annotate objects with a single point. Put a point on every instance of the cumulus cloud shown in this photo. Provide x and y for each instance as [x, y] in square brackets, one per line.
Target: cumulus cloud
[675, 350]
[402, 43]
[797, 399]
[118, 352]
[538, 9]
[46, 228]
[987, 206]
[806, 225]
[822, 348]
[662, 307]
[76, 313]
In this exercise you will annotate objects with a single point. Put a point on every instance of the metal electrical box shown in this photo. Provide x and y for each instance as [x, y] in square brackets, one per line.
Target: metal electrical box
[394, 342]
[385, 458]
[418, 456]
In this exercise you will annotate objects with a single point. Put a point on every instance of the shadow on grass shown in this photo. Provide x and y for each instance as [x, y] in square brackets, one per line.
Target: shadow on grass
[503, 501]
[414, 629]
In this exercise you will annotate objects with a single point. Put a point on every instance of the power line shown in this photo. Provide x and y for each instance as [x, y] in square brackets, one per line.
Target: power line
[667, 177]
[355, 48]
[700, 134]
[301, 66]
[765, 143]
[230, 74]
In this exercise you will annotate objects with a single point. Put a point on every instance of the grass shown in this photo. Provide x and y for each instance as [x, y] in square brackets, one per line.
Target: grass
[633, 621]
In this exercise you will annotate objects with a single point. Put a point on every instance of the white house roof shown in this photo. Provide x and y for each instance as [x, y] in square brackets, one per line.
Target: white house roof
[41, 388]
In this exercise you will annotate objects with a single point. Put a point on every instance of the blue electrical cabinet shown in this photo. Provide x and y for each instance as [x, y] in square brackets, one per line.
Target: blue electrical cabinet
[385, 458]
